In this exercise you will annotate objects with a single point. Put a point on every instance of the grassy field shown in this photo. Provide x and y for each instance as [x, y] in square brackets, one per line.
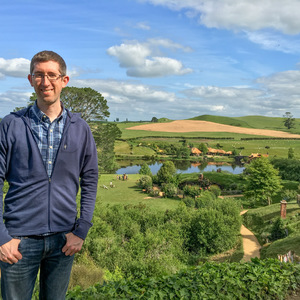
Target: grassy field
[127, 193]
[273, 147]
[258, 122]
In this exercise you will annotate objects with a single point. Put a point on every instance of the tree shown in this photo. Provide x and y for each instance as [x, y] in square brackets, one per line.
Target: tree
[145, 170]
[154, 120]
[166, 172]
[263, 181]
[289, 121]
[86, 101]
[105, 136]
[291, 154]
[203, 148]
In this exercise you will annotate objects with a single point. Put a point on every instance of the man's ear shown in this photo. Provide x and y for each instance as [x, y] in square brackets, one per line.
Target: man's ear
[30, 79]
[66, 79]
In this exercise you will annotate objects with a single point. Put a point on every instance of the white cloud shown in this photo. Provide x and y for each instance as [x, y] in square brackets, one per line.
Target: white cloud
[11, 99]
[271, 41]
[140, 59]
[143, 26]
[242, 14]
[16, 67]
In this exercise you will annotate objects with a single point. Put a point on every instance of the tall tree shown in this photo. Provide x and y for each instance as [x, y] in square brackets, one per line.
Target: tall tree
[105, 135]
[289, 121]
[90, 103]
[166, 172]
[263, 180]
[145, 170]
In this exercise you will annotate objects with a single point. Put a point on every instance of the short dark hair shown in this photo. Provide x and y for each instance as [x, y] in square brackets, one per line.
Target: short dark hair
[45, 56]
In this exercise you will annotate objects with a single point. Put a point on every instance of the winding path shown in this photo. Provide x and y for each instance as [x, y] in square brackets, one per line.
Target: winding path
[250, 243]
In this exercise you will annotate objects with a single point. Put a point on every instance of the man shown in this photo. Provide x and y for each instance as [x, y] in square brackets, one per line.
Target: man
[46, 153]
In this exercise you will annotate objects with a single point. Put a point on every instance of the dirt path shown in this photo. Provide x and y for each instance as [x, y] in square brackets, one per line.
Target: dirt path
[205, 126]
[250, 243]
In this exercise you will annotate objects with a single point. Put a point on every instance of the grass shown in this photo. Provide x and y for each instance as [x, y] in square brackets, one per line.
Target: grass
[260, 221]
[127, 193]
[258, 122]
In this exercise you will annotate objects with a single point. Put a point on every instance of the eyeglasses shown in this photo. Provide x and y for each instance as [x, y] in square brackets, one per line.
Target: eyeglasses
[51, 77]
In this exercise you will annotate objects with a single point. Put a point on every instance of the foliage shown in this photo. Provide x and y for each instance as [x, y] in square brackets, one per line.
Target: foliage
[215, 189]
[192, 190]
[278, 230]
[166, 172]
[183, 152]
[145, 170]
[289, 169]
[91, 104]
[291, 153]
[258, 279]
[145, 182]
[105, 135]
[289, 195]
[203, 148]
[289, 121]
[215, 227]
[169, 189]
[154, 120]
[263, 180]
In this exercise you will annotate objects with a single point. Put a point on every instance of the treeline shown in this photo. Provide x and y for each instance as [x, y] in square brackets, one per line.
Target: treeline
[176, 137]
[267, 138]
[136, 241]
[289, 169]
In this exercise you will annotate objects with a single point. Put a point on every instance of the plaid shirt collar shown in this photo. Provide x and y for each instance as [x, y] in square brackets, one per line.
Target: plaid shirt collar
[43, 117]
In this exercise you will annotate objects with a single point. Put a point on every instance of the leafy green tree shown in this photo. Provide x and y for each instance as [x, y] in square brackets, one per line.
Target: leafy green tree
[183, 152]
[145, 182]
[154, 120]
[289, 121]
[166, 172]
[105, 135]
[145, 170]
[278, 230]
[90, 103]
[263, 180]
[291, 153]
[203, 148]
[169, 189]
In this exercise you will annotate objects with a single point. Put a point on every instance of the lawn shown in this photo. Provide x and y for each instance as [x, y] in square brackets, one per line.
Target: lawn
[127, 193]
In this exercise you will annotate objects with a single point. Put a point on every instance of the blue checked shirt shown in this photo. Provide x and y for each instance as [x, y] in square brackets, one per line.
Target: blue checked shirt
[47, 134]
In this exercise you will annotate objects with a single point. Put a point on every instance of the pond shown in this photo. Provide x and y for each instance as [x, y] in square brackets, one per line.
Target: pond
[128, 167]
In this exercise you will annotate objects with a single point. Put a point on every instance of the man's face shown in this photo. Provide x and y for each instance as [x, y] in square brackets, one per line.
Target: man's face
[47, 91]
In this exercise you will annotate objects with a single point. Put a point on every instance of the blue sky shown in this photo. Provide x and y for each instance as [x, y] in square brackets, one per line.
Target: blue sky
[160, 58]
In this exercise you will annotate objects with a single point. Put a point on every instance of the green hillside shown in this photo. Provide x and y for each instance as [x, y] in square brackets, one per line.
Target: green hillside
[258, 122]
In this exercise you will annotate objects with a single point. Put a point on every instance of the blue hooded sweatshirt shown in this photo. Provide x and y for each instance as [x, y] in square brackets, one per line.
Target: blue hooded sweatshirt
[36, 204]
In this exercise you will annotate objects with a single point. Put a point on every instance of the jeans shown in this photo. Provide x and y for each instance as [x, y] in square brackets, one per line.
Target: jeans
[44, 253]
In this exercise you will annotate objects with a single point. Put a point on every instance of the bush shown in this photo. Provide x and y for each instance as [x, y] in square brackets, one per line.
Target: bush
[145, 182]
[258, 279]
[145, 170]
[189, 201]
[278, 230]
[192, 190]
[215, 189]
[169, 189]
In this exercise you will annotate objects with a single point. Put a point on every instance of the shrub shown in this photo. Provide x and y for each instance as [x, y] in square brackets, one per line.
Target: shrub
[145, 182]
[278, 230]
[192, 190]
[189, 201]
[169, 189]
[145, 170]
[215, 189]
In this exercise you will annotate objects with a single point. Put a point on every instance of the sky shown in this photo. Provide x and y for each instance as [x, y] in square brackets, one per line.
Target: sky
[176, 59]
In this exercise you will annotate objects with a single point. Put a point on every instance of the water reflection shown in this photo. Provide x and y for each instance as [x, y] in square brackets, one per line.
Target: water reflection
[183, 166]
